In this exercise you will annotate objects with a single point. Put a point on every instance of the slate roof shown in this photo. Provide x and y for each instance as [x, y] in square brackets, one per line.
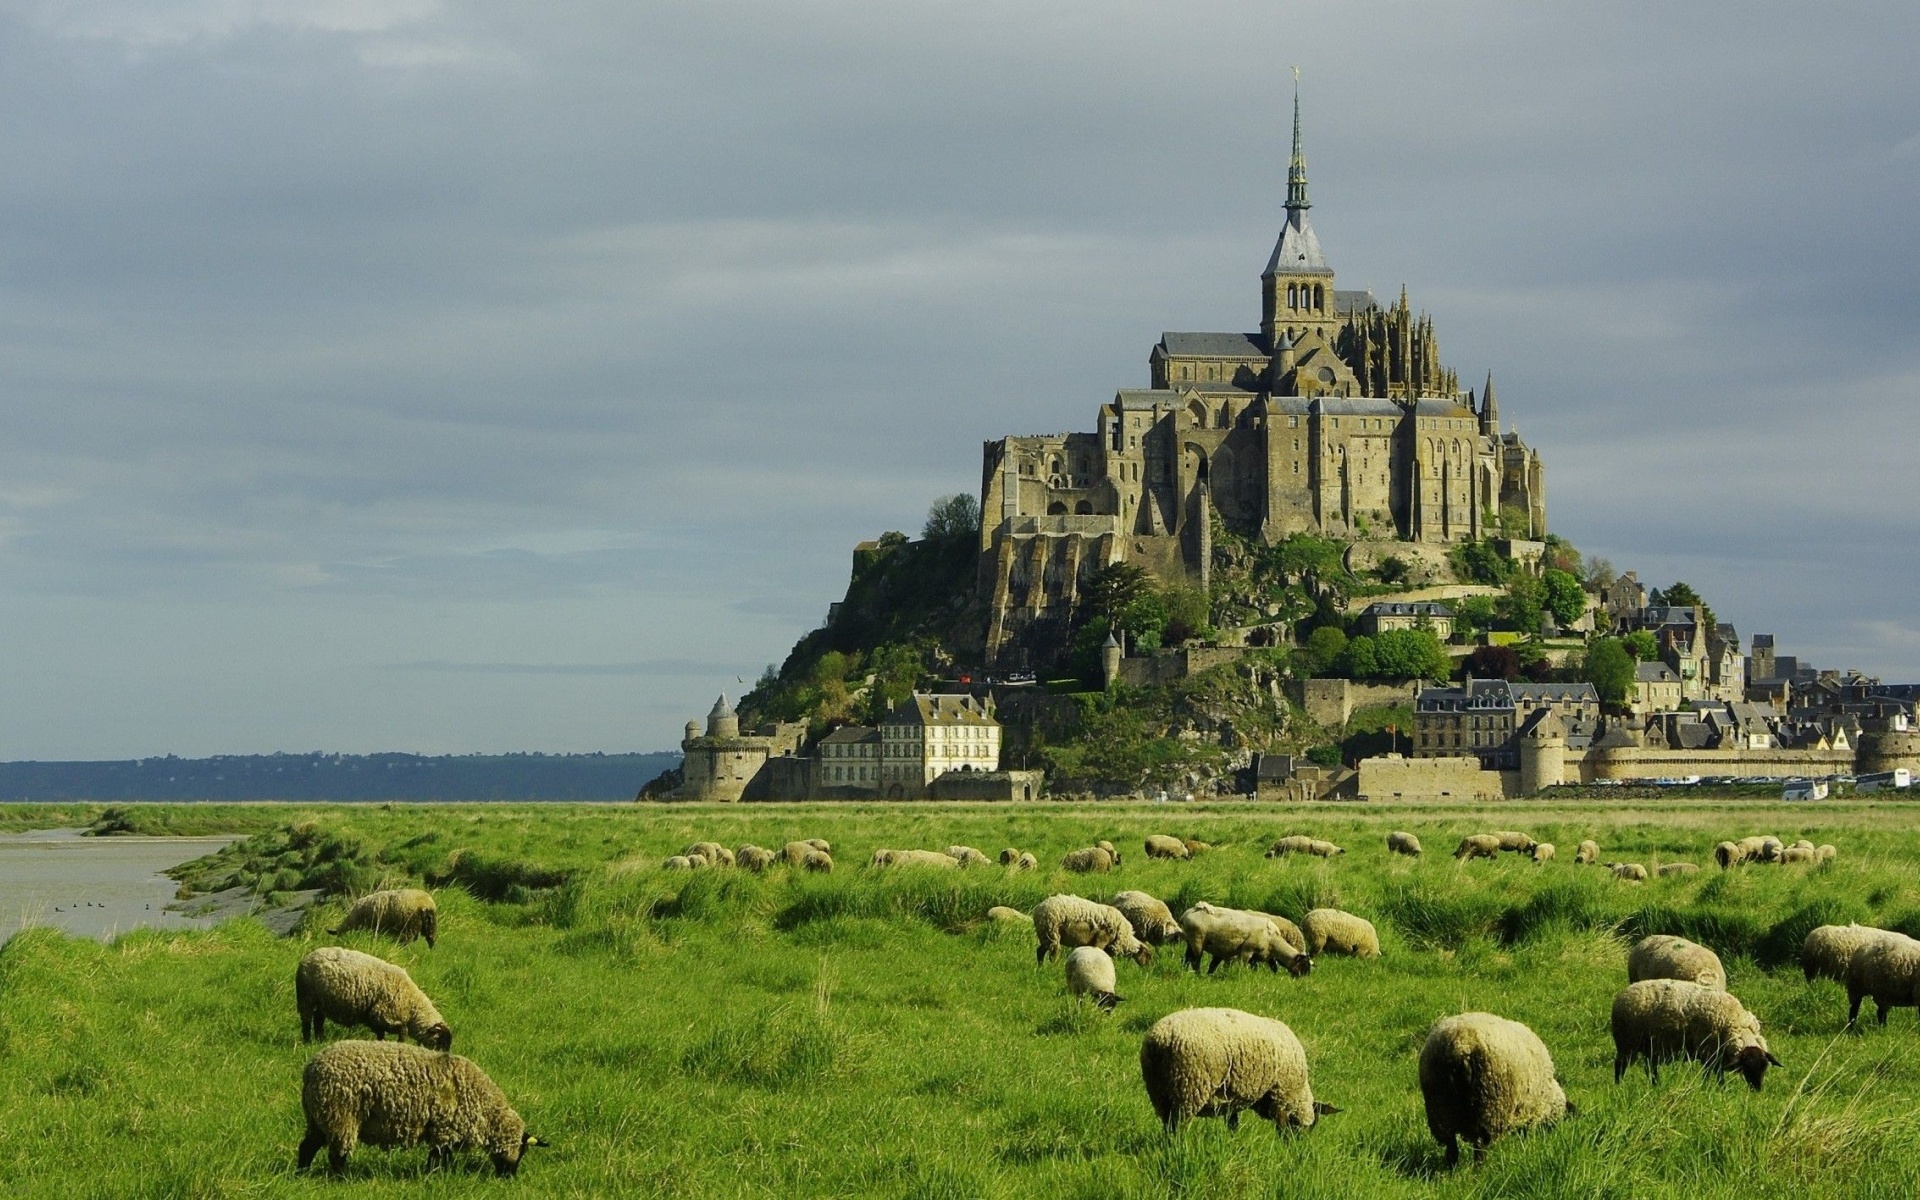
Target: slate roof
[1401, 608]
[1654, 672]
[1358, 406]
[1441, 408]
[940, 709]
[1555, 693]
[848, 734]
[1298, 250]
[1347, 302]
[1214, 345]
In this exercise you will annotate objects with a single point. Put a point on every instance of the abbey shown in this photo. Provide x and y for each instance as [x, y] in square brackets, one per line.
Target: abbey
[1336, 418]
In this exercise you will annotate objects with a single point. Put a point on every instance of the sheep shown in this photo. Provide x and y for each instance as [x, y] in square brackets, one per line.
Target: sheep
[916, 858]
[1729, 855]
[1001, 914]
[1802, 844]
[1091, 860]
[1677, 868]
[1196, 847]
[1798, 854]
[402, 913]
[1888, 969]
[350, 988]
[1661, 1019]
[754, 858]
[1295, 843]
[1764, 849]
[1090, 973]
[676, 862]
[1631, 872]
[696, 862]
[817, 860]
[967, 856]
[1026, 862]
[1289, 932]
[1071, 921]
[1152, 920]
[1483, 1076]
[1329, 930]
[1542, 852]
[1403, 843]
[821, 844]
[1664, 956]
[1321, 849]
[1587, 853]
[1212, 1062]
[1247, 937]
[1825, 853]
[1009, 856]
[1513, 841]
[1108, 847]
[1159, 845]
[715, 854]
[390, 1094]
[795, 853]
[1828, 949]
[1479, 845]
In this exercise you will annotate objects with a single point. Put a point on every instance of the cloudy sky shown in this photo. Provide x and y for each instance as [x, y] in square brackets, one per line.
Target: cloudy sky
[449, 376]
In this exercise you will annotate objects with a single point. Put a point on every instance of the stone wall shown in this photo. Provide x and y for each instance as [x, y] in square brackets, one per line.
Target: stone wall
[1330, 702]
[1392, 777]
[988, 785]
[1636, 763]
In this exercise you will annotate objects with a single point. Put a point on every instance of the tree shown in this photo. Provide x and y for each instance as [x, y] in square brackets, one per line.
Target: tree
[953, 517]
[1610, 669]
[1682, 595]
[1187, 610]
[1599, 572]
[1473, 615]
[1493, 662]
[1359, 661]
[1521, 607]
[1323, 649]
[1562, 555]
[1112, 588]
[1145, 618]
[1642, 645]
[1409, 654]
[1479, 562]
[1565, 598]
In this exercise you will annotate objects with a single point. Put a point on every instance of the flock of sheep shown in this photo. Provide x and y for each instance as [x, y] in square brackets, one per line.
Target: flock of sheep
[1481, 1075]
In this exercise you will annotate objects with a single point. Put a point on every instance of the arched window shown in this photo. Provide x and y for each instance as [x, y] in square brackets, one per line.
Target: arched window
[1056, 509]
[1083, 508]
[1319, 298]
[1293, 294]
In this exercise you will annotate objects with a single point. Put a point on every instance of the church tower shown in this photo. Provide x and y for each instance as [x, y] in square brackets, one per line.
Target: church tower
[1296, 289]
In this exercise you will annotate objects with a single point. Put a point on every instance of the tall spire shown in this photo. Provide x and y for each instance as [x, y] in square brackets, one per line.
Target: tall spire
[1489, 410]
[1297, 168]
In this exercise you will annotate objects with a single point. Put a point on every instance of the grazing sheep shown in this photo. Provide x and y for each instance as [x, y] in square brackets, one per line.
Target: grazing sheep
[350, 988]
[1108, 847]
[755, 858]
[697, 862]
[1802, 844]
[1003, 915]
[1091, 860]
[1483, 1076]
[1729, 855]
[402, 913]
[1159, 845]
[1230, 934]
[1587, 853]
[1766, 849]
[1888, 969]
[1196, 847]
[915, 858]
[967, 856]
[1026, 862]
[1479, 845]
[676, 862]
[1090, 973]
[715, 854]
[390, 1094]
[1631, 872]
[1662, 1019]
[1213, 1062]
[1321, 849]
[1289, 932]
[1152, 920]
[820, 844]
[1403, 843]
[1826, 853]
[1828, 949]
[1294, 843]
[1664, 956]
[1514, 842]
[1009, 856]
[795, 853]
[1330, 931]
[1071, 921]
[817, 860]
[1799, 854]
[1542, 852]
[1677, 868]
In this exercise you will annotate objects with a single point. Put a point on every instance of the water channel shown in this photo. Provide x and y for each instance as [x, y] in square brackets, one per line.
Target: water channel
[94, 887]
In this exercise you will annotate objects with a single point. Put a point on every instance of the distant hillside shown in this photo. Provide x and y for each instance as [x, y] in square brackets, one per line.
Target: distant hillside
[339, 777]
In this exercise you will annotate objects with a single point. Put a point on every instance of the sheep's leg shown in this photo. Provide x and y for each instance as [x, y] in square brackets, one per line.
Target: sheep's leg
[310, 1146]
[1853, 1010]
[337, 1159]
[1453, 1150]
[1479, 1153]
[1233, 1120]
[1881, 1007]
[1619, 1066]
[1215, 964]
[1194, 955]
[1040, 955]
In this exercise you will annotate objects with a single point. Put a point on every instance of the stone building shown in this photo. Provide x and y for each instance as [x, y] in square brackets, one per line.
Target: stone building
[929, 736]
[1336, 417]
[725, 765]
[1483, 718]
[1384, 616]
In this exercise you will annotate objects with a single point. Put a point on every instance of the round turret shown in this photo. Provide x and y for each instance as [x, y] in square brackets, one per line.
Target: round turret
[1110, 655]
[723, 722]
[693, 731]
[1543, 754]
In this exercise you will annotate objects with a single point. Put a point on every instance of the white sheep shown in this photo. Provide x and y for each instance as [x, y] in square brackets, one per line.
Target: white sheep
[1662, 1019]
[1829, 948]
[1826, 852]
[1631, 872]
[1668, 870]
[1513, 841]
[967, 856]
[1090, 973]
[1090, 860]
[1068, 921]
[1587, 853]
[817, 860]
[1293, 843]
[1478, 845]
[1542, 852]
[915, 858]
[1151, 919]
[1729, 855]
[391, 1094]
[1664, 956]
[1026, 862]
[677, 862]
[1483, 1076]
[1324, 849]
[1888, 969]
[1195, 846]
[1002, 915]
[1159, 845]
[1399, 842]
[401, 913]
[1234, 935]
[755, 858]
[1212, 1062]
[1009, 856]
[1799, 855]
[350, 988]
[715, 854]
[1328, 930]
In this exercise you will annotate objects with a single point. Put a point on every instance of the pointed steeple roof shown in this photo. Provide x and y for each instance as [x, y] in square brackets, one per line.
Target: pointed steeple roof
[1489, 410]
[1298, 250]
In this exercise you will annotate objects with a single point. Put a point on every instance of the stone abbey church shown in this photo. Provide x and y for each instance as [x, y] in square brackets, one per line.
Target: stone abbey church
[1337, 418]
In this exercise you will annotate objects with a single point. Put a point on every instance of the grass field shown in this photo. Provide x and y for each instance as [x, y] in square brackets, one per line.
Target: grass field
[864, 1034]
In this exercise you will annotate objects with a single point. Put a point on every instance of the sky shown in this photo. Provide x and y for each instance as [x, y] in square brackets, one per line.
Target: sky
[448, 377]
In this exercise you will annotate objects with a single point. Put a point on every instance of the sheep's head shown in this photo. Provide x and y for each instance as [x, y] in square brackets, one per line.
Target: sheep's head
[1752, 1063]
[506, 1163]
[437, 1036]
[1299, 965]
[1142, 954]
